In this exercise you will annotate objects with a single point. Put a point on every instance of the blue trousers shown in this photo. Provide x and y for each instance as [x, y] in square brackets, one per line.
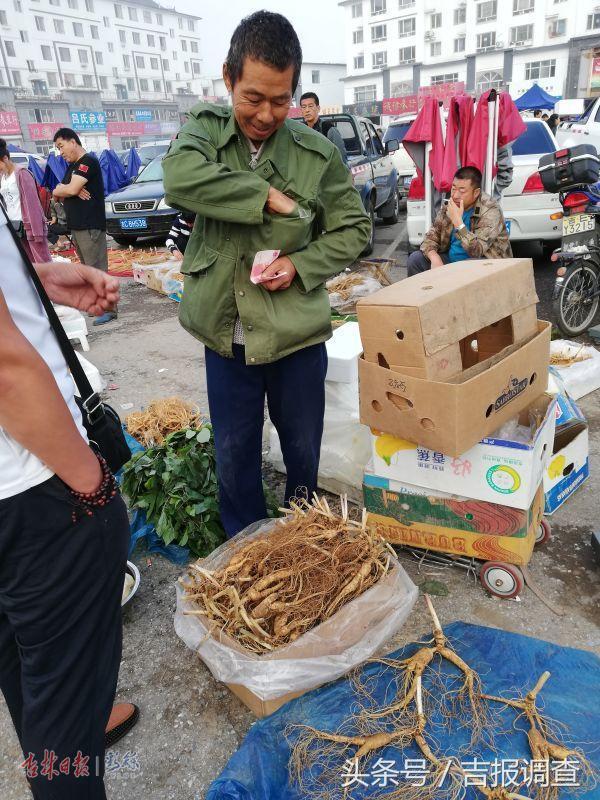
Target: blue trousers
[295, 390]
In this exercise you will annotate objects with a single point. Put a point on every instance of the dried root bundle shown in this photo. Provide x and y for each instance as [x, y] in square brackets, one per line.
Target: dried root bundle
[162, 417]
[300, 574]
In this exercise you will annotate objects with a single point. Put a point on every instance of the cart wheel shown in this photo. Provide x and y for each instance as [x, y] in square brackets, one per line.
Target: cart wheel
[501, 580]
[543, 533]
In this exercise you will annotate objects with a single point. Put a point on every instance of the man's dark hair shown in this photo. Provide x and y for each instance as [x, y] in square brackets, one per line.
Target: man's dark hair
[470, 174]
[267, 37]
[67, 134]
[310, 96]
[537, 113]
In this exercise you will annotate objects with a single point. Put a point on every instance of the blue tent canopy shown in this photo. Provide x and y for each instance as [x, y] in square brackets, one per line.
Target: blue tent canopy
[113, 172]
[14, 148]
[56, 166]
[535, 98]
[34, 167]
[133, 164]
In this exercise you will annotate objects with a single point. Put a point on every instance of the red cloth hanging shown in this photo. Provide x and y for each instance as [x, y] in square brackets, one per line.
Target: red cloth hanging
[510, 127]
[427, 128]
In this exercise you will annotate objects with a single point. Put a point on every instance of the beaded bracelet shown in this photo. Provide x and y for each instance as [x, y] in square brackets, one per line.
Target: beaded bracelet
[86, 501]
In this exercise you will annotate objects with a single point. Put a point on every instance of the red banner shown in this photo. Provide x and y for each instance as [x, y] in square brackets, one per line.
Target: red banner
[43, 130]
[126, 128]
[441, 91]
[9, 123]
[394, 106]
[295, 113]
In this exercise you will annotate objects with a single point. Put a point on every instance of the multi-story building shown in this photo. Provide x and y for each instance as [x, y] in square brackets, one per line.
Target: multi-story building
[120, 73]
[394, 47]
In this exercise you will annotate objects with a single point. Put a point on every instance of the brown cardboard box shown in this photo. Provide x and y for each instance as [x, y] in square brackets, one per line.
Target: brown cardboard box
[436, 324]
[262, 708]
[453, 416]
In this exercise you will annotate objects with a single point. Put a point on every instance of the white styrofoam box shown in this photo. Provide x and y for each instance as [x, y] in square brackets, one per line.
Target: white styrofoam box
[343, 351]
[495, 470]
[74, 324]
[93, 374]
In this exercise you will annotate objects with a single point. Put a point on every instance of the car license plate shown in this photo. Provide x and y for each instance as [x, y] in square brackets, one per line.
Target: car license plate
[578, 223]
[407, 180]
[133, 223]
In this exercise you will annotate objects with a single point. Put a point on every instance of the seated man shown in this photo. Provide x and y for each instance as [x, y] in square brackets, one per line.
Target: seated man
[471, 225]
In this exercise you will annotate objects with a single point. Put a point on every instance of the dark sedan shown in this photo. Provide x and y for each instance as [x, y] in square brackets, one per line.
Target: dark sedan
[140, 209]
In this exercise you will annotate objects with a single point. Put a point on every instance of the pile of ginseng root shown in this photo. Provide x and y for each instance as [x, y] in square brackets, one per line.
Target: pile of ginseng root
[317, 757]
[299, 574]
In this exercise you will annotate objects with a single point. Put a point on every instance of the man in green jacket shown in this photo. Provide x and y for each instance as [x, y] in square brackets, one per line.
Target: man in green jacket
[260, 182]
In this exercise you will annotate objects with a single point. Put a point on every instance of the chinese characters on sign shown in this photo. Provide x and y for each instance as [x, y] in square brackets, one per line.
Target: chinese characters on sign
[44, 130]
[88, 120]
[412, 103]
[9, 123]
[51, 766]
[394, 106]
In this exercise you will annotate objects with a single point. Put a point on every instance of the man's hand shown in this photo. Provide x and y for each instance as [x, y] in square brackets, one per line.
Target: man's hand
[279, 203]
[78, 286]
[455, 213]
[177, 255]
[84, 195]
[281, 266]
[435, 259]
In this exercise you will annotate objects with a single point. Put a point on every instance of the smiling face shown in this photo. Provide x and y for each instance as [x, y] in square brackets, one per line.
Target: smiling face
[261, 98]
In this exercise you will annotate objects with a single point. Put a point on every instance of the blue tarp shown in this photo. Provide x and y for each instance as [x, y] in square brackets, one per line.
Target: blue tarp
[133, 164]
[14, 148]
[34, 167]
[535, 98]
[507, 664]
[113, 172]
[56, 166]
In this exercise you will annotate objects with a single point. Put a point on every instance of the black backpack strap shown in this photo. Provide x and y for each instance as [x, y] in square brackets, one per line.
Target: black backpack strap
[90, 400]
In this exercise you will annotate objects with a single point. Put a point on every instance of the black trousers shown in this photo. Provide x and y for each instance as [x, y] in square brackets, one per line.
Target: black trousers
[60, 634]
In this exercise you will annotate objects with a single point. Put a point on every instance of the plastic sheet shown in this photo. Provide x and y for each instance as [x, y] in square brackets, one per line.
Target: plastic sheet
[352, 635]
[346, 304]
[581, 377]
[506, 663]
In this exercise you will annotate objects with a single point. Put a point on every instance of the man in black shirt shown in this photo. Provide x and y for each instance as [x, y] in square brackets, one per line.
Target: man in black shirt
[82, 193]
[311, 110]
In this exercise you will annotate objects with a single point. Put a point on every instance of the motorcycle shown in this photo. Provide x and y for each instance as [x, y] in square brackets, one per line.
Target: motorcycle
[576, 295]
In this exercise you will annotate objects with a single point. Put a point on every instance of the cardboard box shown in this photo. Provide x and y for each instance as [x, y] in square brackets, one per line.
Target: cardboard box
[453, 416]
[497, 471]
[262, 708]
[569, 465]
[439, 323]
[407, 515]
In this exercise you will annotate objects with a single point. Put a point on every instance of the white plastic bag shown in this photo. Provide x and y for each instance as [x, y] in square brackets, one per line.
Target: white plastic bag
[581, 377]
[347, 304]
[358, 630]
[345, 447]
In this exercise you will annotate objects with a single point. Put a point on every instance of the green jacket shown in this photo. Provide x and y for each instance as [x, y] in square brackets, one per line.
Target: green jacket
[207, 171]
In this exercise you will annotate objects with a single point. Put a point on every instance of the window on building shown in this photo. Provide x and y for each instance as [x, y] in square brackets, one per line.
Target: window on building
[64, 53]
[379, 33]
[180, 22]
[126, 64]
[78, 29]
[111, 47]
[407, 54]
[171, 33]
[106, 22]
[523, 6]
[17, 6]
[435, 21]
[30, 66]
[163, 42]
[194, 47]
[435, 49]
[43, 147]
[118, 11]
[143, 85]
[169, 86]
[83, 57]
[191, 25]
[402, 88]
[40, 23]
[59, 26]
[89, 6]
[131, 84]
[73, 4]
[405, 4]
[460, 16]
[94, 31]
[195, 68]
[46, 52]
[88, 81]
[378, 6]
[136, 37]
[151, 40]
[154, 63]
[459, 44]
[407, 27]
[52, 79]
[10, 49]
[357, 10]
[147, 16]
[316, 76]
[99, 57]
[68, 79]
[53, 2]
[132, 13]
[365, 94]
[3, 17]
[522, 34]
[558, 27]
[16, 78]
[140, 62]
[486, 41]
[122, 37]
[491, 79]
[157, 86]
[165, 64]
[186, 66]
[184, 45]
[159, 19]
[103, 82]
[448, 77]
[487, 10]
[358, 36]
[41, 115]
[359, 62]
[379, 59]
[534, 70]
[174, 55]
[593, 22]
[24, 36]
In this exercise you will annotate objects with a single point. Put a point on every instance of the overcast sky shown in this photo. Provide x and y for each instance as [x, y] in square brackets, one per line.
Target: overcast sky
[319, 24]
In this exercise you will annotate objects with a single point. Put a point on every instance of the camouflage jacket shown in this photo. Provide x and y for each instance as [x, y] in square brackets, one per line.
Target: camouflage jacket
[487, 236]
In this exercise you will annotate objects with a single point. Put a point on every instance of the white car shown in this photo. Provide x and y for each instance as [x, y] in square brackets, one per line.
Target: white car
[531, 213]
[405, 166]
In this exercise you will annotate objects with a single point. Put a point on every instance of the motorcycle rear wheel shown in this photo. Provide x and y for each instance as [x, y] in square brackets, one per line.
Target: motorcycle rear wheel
[574, 309]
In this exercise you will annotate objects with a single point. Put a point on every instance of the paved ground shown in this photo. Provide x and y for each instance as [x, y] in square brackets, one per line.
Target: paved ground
[191, 725]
